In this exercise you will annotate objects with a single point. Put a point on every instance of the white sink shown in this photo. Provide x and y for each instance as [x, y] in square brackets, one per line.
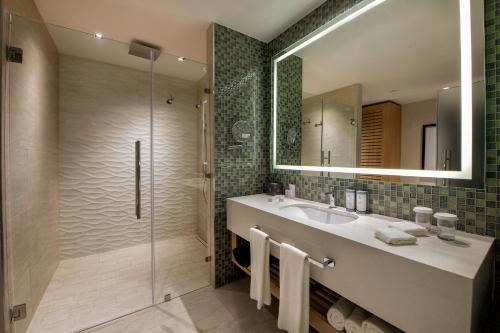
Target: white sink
[319, 214]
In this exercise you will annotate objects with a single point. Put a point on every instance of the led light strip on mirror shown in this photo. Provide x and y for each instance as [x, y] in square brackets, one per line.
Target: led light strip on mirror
[466, 97]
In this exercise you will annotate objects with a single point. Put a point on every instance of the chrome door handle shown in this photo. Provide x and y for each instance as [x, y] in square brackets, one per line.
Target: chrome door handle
[138, 179]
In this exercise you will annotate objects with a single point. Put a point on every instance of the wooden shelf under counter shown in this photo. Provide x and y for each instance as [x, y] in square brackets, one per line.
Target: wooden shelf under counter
[321, 298]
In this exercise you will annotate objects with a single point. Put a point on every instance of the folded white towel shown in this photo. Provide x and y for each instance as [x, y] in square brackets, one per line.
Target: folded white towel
[410, 228]
[354, 323]
[260, 280]
[339, 312]
[395, 236]
[376, 325]
[294, 290]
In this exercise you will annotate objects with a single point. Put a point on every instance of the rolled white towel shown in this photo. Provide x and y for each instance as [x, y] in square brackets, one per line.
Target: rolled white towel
[394, 236]
[376, 325]
[354, 323]
[338, 313]
[410, 228]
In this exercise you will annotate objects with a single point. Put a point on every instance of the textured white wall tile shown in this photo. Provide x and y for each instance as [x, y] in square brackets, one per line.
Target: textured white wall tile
[104, 109]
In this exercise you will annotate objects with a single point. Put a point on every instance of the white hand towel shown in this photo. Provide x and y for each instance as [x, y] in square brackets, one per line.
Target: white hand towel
[354, 324]
[376, 325]
[338, 313]
[395, 236]
[260, 279]
[410, 228]
[294, 290]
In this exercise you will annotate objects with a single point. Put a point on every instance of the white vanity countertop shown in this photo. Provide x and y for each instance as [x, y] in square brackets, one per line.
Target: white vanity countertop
[462, 257]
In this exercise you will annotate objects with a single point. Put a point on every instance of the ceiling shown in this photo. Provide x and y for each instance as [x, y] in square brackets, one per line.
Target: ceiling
[401, 50]
[178, 26]
[84, 45]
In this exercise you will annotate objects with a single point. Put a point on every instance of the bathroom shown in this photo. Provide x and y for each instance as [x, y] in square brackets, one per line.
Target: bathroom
[157, 155]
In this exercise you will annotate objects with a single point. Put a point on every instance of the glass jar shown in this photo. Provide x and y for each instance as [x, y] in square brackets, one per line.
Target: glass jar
[423, 216]
[447, 224]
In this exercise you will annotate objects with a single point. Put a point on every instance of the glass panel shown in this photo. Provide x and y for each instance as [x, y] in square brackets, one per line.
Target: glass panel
[77, 107]
[181, 192]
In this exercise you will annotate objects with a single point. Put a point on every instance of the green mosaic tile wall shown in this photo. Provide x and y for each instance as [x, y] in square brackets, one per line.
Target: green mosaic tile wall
[241, 79]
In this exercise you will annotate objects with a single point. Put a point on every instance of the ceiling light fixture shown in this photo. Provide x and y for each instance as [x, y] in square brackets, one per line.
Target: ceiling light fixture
[98, 35]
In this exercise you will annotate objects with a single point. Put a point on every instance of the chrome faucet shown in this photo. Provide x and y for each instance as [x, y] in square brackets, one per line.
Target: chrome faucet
[331, 196]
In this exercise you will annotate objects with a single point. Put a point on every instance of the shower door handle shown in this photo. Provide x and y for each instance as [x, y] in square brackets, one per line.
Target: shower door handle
[138, 179]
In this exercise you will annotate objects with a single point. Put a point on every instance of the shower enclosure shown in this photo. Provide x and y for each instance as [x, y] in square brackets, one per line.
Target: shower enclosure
[107, 198]
[330, 129]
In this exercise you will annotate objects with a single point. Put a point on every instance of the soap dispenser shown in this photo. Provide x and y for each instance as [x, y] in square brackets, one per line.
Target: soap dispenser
[362, 202]
[350, 200]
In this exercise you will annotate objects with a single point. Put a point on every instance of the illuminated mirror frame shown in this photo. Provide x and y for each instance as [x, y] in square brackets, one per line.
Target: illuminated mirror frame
[466, 96]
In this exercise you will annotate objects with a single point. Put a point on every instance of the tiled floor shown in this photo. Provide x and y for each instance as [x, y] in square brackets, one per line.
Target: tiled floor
[90, 290]
[224, 310]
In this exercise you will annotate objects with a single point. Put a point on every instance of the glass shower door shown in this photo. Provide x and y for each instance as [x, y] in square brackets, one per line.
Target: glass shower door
[78, 134]
[181, 180]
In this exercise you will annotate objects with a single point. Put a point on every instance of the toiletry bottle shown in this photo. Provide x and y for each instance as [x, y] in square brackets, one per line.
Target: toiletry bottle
[362, 202]
[350, 200]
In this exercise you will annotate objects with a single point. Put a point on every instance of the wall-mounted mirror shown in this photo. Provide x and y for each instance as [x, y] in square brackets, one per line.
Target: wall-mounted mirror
[390, 88]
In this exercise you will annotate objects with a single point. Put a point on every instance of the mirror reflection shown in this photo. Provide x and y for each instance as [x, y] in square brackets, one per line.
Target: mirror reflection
[389, 98]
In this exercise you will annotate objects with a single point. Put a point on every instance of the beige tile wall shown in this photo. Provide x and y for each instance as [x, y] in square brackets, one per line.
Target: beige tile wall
[104, 109]
[31, 164]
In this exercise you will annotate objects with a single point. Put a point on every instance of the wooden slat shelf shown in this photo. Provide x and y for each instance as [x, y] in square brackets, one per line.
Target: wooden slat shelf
[320, 301]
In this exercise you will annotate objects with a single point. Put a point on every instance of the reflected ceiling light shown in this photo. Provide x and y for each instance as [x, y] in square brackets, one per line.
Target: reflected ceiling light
[181, 59]
[446, 88]
[343, 19]
[98, 35]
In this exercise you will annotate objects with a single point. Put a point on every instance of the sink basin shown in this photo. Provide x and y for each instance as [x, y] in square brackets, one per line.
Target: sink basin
[319, 214]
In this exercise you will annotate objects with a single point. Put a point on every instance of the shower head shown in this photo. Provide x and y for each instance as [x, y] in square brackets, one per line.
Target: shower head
[144, 50]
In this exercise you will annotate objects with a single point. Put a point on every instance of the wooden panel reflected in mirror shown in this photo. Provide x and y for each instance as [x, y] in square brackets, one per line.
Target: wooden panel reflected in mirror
[381, 138]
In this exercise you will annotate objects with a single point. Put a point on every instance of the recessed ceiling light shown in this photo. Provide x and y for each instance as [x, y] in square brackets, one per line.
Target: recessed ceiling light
[446, 88]
[181, 59]
[98, 35]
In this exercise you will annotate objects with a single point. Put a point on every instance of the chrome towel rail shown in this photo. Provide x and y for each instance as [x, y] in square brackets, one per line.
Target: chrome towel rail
[327, 262]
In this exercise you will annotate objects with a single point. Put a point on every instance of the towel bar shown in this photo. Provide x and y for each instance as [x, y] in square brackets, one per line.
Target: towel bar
[327, 262]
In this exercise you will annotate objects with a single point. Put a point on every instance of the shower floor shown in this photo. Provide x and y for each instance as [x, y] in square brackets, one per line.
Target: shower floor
[90, 290]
